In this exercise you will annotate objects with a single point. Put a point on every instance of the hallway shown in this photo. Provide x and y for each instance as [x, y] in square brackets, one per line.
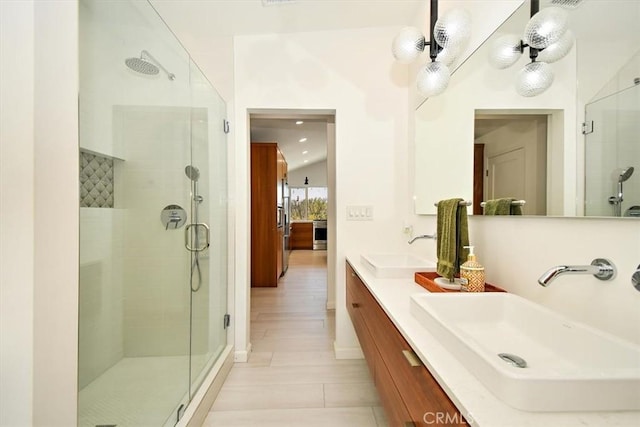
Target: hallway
[292, 376]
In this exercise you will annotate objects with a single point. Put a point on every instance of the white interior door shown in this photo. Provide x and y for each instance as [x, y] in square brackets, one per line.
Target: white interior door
[506, 175]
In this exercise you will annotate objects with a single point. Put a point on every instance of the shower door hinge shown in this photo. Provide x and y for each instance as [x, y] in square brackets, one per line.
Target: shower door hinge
[227, 320]
[225, 126]
[180, 412]
[587, 127]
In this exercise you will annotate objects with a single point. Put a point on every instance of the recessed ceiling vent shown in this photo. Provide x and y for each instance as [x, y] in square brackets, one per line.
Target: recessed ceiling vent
[566, 3]
[276, 2]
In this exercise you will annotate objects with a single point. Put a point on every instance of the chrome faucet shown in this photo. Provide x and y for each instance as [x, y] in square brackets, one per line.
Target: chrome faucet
[424, 236]
[601, 268]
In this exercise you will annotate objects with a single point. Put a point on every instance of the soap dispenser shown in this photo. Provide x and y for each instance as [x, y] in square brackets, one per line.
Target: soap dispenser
[472, 273]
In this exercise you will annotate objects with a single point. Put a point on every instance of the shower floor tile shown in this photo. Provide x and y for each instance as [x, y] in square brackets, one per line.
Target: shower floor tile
[135, 392]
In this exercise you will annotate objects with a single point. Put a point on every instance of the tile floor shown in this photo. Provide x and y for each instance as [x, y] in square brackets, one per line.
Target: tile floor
[292, 377]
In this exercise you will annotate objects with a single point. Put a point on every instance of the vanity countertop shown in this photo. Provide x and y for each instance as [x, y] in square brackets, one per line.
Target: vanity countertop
[474, 400]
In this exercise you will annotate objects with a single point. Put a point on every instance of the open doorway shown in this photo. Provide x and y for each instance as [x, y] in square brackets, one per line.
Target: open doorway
[306, 140]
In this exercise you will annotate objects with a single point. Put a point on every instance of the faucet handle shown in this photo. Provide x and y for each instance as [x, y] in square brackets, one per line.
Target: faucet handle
[635, 279]
[607, 269]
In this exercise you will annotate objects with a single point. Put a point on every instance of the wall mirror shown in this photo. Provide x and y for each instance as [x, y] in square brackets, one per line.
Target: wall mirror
[534, 149]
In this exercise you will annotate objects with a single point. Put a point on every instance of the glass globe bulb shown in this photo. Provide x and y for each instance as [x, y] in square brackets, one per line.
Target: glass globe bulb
[433, 79]
[557, 50]
[448, 56]
[453, 29]
[534, 79]
[545, 27]
[408, 44]
[505, 51]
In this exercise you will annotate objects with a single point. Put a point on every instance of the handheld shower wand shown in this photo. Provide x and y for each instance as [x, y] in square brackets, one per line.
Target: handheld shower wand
[616, 201]
[193, 173]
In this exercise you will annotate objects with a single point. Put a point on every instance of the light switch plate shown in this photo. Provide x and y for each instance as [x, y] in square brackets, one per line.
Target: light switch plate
[360, 213]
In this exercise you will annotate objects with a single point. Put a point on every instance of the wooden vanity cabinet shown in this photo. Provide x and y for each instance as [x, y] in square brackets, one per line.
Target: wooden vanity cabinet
[409, 393]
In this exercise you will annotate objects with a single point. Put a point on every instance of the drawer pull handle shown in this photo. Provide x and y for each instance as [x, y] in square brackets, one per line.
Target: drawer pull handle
[355, 305]
[411, 358]
[353, 274]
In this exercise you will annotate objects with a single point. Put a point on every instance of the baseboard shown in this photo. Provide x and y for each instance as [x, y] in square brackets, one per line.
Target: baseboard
[242, 356]
[347, 352]
[199, 407]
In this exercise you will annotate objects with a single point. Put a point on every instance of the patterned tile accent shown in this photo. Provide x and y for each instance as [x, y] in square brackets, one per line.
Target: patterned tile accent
[96, 181]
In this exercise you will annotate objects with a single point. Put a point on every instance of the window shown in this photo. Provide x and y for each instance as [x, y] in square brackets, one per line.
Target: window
[308, 203]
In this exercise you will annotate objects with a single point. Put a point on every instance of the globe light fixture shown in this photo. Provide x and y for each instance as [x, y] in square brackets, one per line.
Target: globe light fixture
[449, 35]
[548, 40]
[534, 78]
[433, 78]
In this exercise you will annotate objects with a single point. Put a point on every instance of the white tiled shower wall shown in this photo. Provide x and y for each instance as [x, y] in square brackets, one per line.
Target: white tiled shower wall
[101, 288]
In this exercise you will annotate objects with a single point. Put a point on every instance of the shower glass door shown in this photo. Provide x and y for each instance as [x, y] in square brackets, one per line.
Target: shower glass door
[153, 189]
[208, 239]
[611, 149]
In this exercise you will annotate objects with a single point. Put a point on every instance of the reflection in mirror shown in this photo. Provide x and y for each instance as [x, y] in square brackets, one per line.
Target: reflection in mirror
[612, 148]
[479, 95]
[510, 153]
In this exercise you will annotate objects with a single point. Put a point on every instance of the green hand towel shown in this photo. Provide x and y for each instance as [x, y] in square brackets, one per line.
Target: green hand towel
[516, 209]
[502, 207]
[453, 235]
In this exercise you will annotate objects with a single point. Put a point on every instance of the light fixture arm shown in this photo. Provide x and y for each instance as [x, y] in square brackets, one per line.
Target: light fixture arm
[535, 8]
[434, 48]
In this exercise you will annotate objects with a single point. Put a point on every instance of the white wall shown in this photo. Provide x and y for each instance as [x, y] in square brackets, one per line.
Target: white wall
[56, 210]
[39, 213]
[16, 213]
[316, 172]
[345, 71]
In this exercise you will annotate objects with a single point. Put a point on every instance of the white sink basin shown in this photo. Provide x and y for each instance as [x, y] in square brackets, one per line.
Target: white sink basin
[570, 366]
[396, 265]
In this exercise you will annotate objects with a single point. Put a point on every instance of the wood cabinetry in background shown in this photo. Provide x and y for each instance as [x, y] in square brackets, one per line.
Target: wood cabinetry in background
[408, 391]
[301, 235]
[268, 174]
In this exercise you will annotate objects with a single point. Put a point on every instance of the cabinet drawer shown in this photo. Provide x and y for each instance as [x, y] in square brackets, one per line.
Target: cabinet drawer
[354, 308]
[422, 395]
[395, 409]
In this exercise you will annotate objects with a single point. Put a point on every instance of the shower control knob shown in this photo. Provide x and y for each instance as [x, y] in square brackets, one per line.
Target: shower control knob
[173, 217]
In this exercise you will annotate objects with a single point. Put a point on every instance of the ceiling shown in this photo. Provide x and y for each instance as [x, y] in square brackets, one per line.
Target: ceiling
[215, 18]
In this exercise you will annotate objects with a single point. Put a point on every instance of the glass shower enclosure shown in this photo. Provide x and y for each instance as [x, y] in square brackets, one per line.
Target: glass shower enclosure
[153, 219]
[612, 147]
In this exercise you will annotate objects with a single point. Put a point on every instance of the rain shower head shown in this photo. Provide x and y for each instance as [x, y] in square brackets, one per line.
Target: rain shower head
[147, 64]
[192, 172]
[625, 174]
[139, 65]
